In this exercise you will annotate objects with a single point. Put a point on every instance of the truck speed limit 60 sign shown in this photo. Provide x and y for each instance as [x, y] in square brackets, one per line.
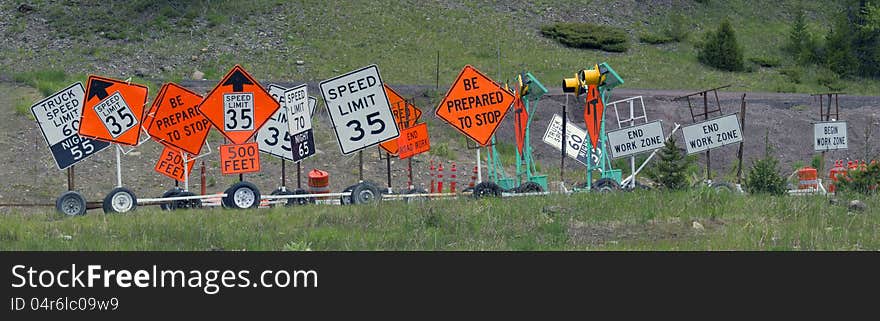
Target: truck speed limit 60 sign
[59, 118]
[359, 109]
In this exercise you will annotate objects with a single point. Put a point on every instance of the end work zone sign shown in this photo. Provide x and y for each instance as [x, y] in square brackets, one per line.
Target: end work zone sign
[712, 134]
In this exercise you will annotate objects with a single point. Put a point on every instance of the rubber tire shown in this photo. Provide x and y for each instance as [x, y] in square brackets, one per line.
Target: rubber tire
[605, 185]
[181, 204]
[229, 200]
[485, 189]
[346, 199]
[75, 202]
[108, 200]
[279, 191]
[724, 187]
[418, 199]
[365, 193]
[169, 193]
[530, 187]
[302, 201]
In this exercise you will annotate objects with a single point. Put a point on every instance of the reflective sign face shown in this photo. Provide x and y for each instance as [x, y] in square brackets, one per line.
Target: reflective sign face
[175, 120]
[637, 139]
[239, 158]
[238, 106]
[359, 109]
[475, 105]
[712, 133]
[575, 139]
[274, 137]
[414, 141]
[170, 164]
[300, 122]
[59, 117]
[405, 114]
[829, 136]
[594, 113]
[112, 110]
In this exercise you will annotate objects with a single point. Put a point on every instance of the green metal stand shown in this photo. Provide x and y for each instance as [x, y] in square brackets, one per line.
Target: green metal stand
[602, 162]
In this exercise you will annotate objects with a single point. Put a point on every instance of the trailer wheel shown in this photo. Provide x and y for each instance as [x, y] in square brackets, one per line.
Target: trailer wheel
[193, 203]
[487, 189]
[416, 198]
[71, 203]
[120, 200]
[530, 187]
[365, 193]
[242, 195]
[724, 187]
[302, 201]
[289, 201]
[346, 199]
[167, 206]
[606, 185]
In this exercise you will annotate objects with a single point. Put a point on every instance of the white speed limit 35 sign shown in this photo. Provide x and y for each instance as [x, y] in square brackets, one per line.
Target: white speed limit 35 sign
[359, 109]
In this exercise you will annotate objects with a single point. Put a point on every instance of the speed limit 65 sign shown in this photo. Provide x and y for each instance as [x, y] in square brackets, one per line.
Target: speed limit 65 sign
[59, 116]
[300, 122]
[359, 109]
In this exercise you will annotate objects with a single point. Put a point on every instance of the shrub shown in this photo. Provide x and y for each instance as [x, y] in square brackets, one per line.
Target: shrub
[678, 29]
[588, 36]
[765, 61]
[670, 170]
[654, 39]
[861, 181]
[763, 177]
[721, 50]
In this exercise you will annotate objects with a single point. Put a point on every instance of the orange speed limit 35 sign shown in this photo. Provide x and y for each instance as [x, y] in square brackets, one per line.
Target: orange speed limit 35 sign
[113, 110]
[174, 119]
[475, 105]
[239, 158]
[238, 106]
[171, 164]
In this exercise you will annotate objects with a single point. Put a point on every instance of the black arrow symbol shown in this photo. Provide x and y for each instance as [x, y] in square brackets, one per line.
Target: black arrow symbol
[237, 80]
[98, 88]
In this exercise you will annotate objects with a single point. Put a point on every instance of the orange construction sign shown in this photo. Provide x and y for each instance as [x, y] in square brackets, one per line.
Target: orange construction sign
[414, 141]
[475, 105]
[593, 113]
[174, 119]
[240, 158]
[113, 110]
[405, 114]
[171, 164]
[521, 120]
[238, 106]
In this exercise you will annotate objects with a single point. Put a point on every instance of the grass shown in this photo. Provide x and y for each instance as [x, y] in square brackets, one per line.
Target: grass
[404, 38]
[621, 221]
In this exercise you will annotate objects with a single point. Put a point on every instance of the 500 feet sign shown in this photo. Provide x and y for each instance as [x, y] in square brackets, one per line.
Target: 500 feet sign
[59, 118]
[359, 109]
[712, 133]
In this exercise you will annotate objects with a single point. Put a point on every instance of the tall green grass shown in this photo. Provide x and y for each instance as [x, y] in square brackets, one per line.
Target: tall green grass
[621, 221]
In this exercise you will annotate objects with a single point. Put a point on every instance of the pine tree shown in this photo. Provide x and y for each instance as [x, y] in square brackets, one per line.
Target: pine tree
[670, 169]
[721, 50]
[764, 175]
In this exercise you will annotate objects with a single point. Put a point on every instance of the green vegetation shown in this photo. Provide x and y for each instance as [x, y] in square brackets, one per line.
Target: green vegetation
[617, 221]
[588, 36]
[720, 49]
[670, 169]
[655, 39]
[763, 177]
[863, 181]
[404, 39]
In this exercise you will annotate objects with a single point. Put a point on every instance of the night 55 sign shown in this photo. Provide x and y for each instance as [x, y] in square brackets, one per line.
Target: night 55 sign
[359, 109]
[300, 122]
[59, 117]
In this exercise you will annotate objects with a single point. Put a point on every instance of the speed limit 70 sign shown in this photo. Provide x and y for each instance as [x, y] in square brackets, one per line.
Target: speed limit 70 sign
[299, 122]
[59, 117]
[359, 109]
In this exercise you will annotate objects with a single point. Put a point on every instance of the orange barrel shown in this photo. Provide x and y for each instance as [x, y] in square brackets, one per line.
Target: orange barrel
[808, 177]
[837, 172]
[319, 182]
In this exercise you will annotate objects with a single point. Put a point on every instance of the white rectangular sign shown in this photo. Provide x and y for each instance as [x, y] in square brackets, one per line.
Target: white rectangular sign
[829, 136]
[274, 137]
[637, 139]
[238, 111]
[58, 117]
[575, 139]
[300, 122]
[359, 109]
[712, 133]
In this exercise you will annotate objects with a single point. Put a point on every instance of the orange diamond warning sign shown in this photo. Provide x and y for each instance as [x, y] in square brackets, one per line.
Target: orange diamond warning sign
[405, 114]
[475, 105]
[593, 113]
[113, 110]
[238, 106]
[174, 119]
